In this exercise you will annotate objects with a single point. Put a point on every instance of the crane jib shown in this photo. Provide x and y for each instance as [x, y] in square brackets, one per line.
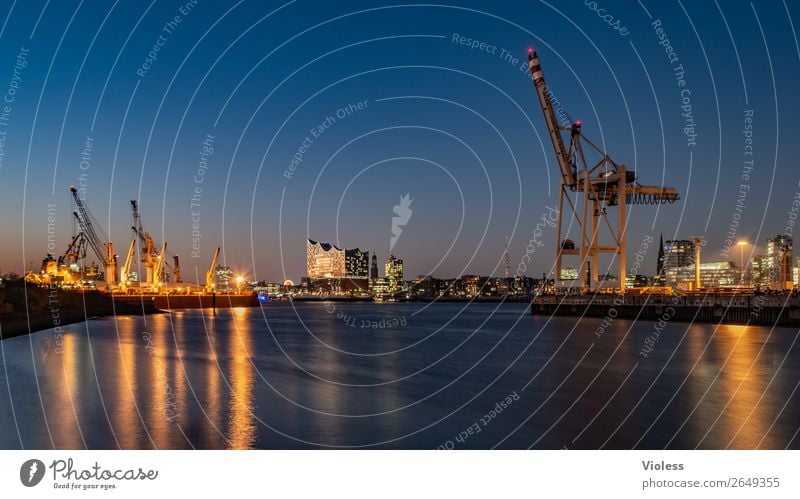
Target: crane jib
[550, 117]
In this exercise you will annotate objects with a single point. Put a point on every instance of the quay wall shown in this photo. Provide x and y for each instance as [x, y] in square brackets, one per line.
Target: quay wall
[735, 309]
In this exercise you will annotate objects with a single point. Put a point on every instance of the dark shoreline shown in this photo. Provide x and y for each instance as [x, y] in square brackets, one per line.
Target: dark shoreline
[93, 305]
[99, 305]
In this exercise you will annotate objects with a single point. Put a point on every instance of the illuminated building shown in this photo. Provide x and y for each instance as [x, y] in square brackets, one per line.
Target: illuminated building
[779, 261]
[356, 263]
[760, 272]
[637, 281]
[712, 275]
[394, 272]
[380, 287]
[427, 287]
[268, 288]
[569, 274]
[796, 272]
[222, 278]
[324, 260]
[677, 254]
[471, 285]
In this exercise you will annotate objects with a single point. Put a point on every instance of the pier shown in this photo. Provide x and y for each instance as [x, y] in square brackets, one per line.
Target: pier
[766, 310]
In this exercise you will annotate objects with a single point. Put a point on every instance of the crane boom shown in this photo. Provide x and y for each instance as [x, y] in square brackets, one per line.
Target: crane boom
[159, 267]
[148, 247]
[210, 272]
[75, 252]
[126, 268]
[137, 222]
[553, 128]
[107, 258]
[82, 216]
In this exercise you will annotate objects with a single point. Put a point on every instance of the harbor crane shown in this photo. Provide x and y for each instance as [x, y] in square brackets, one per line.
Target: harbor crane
[76, 251]
[600, 185]
[158, 270]
[125, 272]
[210, 273]
[153, 259]
[104, 251]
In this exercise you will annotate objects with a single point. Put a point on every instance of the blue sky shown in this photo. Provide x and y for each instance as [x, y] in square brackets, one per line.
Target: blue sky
[458, 128]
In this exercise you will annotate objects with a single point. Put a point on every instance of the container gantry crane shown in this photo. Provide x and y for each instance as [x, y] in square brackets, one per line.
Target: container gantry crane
[104, 251]
[600, 185]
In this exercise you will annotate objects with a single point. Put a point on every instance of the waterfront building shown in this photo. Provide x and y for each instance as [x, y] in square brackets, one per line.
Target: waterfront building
[569, 274]
[677, 254]
[325, 286]
[380, 287]
[779, 261]
[606, 278]
[712, 275]
[472, 285]
[427, 287]
[394, 272]
[637, 281]
[223, 276]
[759, 271]
[267, 288]
[796, 272]
[452, 288]
[356, 263]
[355, 286]
[324, 260]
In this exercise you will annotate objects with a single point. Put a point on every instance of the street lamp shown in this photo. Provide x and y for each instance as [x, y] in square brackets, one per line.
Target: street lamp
[239, 281]
[741, 245]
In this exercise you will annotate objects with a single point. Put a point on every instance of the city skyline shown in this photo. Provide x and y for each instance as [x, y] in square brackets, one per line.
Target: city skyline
[371, 224]
[237, 174]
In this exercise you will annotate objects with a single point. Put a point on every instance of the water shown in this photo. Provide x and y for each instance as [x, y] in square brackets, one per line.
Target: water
[314, 375]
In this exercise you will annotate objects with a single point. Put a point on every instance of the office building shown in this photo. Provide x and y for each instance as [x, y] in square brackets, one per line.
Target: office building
[779, 261]
[356, 263]
[677, 254]
[712, 275]
[394, 272]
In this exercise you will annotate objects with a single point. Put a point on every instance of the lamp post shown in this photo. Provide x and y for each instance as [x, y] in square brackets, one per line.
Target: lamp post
[741, 245]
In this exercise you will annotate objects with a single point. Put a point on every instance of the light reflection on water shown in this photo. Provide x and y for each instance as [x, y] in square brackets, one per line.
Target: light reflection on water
[239, 379]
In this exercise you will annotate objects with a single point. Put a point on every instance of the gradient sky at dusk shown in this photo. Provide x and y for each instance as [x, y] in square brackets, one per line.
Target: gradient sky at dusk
[458, 129]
